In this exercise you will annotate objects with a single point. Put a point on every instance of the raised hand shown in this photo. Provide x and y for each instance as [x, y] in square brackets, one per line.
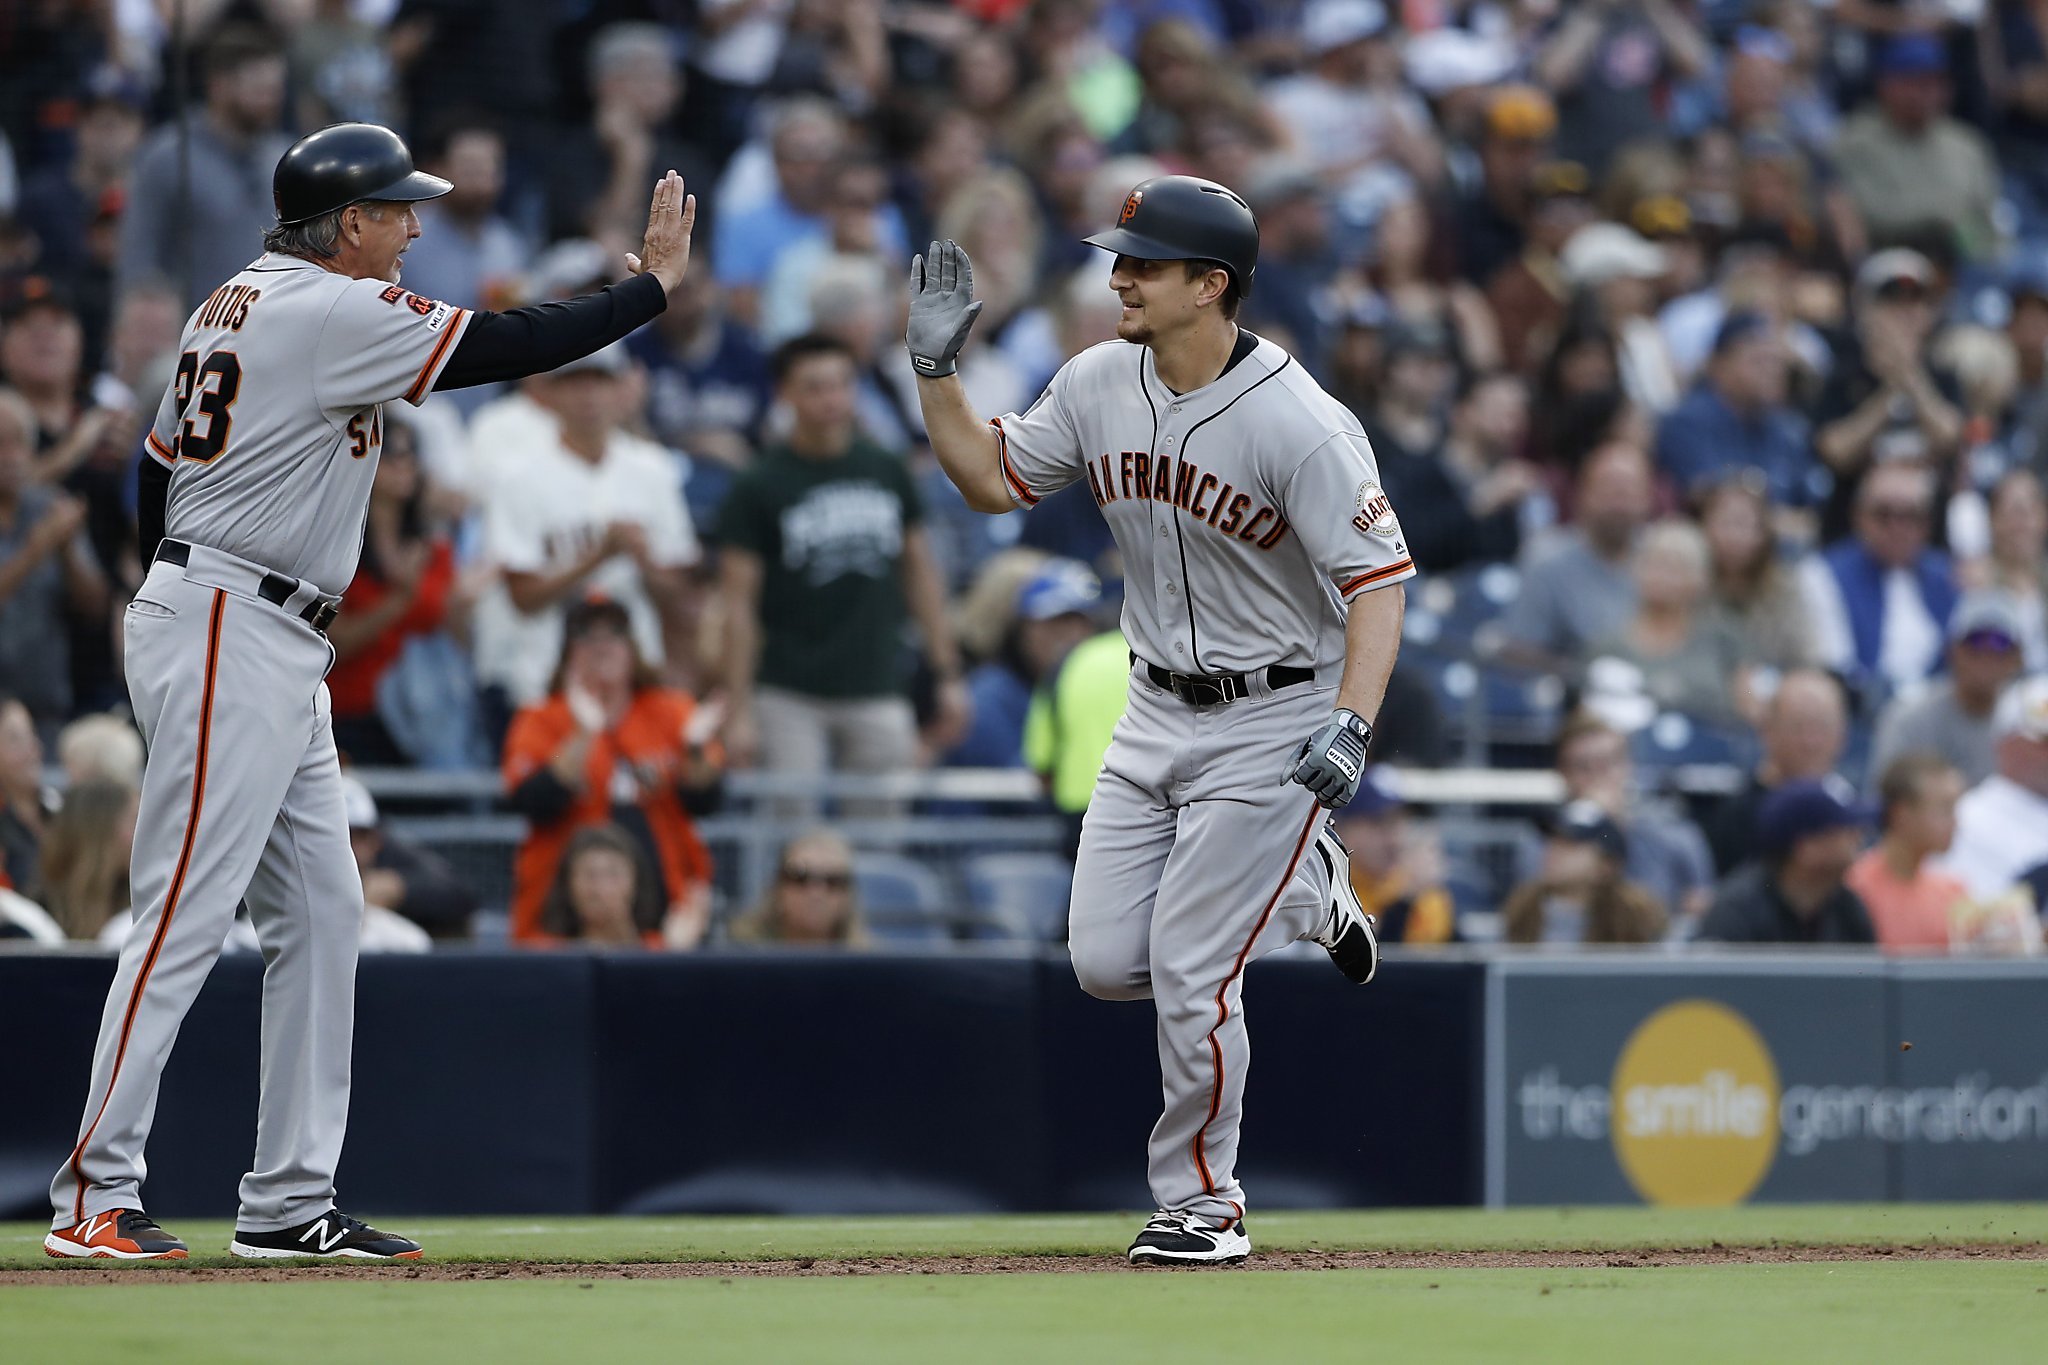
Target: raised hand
[942, 308]
[665, 254]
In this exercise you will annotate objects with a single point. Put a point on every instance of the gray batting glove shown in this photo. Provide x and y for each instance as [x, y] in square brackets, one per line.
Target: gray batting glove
[1331, 761]
[942, 308]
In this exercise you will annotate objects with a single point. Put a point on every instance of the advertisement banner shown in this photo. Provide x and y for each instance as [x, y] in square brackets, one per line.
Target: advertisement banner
[1968, 1112]
[1702, 1082]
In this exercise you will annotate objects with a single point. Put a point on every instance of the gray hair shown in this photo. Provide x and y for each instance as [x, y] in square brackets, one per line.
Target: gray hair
[315, 239]
[617, 44]
[319, 238]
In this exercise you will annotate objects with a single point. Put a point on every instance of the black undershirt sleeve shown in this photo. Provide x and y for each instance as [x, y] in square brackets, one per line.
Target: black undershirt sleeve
[152, 494]
[496, 347]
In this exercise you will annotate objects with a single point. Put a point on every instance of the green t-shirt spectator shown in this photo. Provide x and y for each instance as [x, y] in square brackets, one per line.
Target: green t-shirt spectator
[829, 534]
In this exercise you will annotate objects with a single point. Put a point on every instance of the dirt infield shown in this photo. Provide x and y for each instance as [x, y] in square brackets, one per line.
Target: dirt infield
[1634, 1258]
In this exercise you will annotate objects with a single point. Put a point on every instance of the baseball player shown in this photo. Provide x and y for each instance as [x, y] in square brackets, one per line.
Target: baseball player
[252, 507]
[1257, 548]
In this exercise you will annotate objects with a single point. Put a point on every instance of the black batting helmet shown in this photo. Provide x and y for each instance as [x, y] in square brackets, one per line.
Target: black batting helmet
[1181, 217]
[343, 164]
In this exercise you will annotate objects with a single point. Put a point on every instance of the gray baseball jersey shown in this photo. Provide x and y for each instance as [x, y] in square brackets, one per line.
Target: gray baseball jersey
[272, 429]
[273, 423]
[1249, 513]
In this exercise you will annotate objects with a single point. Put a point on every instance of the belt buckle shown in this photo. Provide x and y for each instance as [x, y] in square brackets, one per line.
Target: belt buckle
[1200, 691]
[324, 614]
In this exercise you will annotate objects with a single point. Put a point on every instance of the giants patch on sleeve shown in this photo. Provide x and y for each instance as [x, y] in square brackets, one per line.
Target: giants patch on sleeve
[1375, 513]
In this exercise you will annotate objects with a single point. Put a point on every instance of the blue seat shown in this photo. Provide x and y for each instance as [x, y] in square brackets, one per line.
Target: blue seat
[902, 900]
[1674, 740]
[1019, 895]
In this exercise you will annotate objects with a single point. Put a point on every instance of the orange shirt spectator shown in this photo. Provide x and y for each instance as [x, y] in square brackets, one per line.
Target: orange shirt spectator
[1911, 903]
[607, 745]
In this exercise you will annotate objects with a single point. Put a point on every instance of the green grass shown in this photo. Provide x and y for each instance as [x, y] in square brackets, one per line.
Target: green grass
[745, 1238]
[1868, 1312]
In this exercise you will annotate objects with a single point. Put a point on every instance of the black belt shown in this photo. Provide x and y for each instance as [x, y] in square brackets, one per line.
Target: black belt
[276, 588]
[1209, 689]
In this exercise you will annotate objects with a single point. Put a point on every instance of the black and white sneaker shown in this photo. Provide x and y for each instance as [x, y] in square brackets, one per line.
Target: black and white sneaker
[333, 1235]
[1349, 935]
[1188, 1239]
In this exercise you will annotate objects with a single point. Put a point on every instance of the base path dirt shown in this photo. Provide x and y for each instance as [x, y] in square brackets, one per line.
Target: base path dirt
[1634, 1258]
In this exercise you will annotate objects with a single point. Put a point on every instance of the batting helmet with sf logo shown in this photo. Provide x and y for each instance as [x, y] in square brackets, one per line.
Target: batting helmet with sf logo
[1184, 218]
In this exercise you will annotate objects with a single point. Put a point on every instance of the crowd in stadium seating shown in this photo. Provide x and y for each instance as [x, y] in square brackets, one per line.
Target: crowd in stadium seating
[1703, 345]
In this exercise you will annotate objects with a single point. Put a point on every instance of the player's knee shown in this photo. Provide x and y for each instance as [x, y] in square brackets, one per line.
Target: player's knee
[1108, 975]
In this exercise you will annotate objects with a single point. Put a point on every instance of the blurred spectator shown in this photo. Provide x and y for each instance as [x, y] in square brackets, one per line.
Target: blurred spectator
[1608, 62]
[1667, 854]
[1487, 223]
[1911, 904]
[994, 217]
[1949, 716]
[47, 574]
[339, 68]
[1529, 294]
[603, 893]
[497, 57]
[2017, 564]
[1577, 584]
[410, 893]
[1349, 112]
[1579, 404]
[738, 42]
[84, 874]
[402, 691]
[24, 807]
[707, 386]
[59, 202]
[2002, 822]
[1053, 611]
[1908, 164]
[22, 920]
[1581, 894]
[812, 901]
[610, 745]
[591, 508]
[1464, 501]
[195, 232]
[822, 556]
[1687, 660]
[1805, 725]
[100, 748]
[952, 149]
[1396, 869]
[1296, 262]
[1184, 80]
[597, 185]
[1617, 270]
[1884, 401]
[1879, 600]
[807, 142]
[854, 226]
[1807, 835]
[1753, 591]
[1738, 417]
[1073, 715]
[467, 253]
[1459, 310]
[1755, 271]
[855, 304]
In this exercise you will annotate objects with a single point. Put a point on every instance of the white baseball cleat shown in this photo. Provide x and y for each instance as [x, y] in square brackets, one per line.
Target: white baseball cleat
[1188, 1239]
[1350, 934]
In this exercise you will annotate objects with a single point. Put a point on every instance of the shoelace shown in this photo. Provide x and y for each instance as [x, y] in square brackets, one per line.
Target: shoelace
[130, 1223]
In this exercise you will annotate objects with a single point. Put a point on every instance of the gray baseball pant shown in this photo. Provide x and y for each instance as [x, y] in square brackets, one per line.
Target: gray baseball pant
[241, 801]
[1195, 860]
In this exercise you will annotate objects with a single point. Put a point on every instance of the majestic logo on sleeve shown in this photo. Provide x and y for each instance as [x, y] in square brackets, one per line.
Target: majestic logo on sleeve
[1375, 513]
[1131, 202]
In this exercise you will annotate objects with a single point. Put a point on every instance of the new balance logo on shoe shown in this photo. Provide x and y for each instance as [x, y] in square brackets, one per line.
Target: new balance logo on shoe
[319, 1230]
[96, 1225]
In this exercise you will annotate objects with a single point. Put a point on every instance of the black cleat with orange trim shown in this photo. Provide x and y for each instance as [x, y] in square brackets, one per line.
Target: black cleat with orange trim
[333, 1235]
[116, 1235]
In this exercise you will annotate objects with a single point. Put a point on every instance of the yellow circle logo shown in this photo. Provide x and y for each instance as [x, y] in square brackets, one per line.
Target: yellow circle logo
[1695, 1118]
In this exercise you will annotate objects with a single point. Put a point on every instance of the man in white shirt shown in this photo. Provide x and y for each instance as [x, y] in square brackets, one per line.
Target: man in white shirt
[2002, 822]
[592, 509]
